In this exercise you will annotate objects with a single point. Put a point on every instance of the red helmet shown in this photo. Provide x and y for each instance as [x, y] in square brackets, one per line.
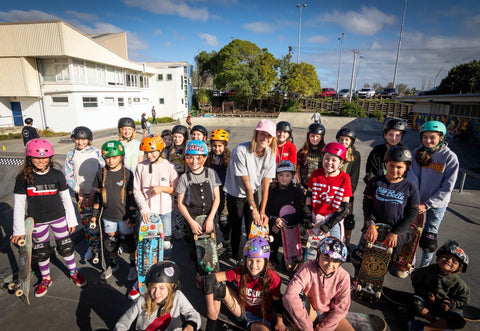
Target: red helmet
[336, 149]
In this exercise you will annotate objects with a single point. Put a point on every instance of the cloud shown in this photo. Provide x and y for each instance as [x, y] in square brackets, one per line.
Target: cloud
[157, 32]
[171, 7]
[367, 22]
[209, 39]
[167, 44]
[83, 16]
[22, 16]
[316, 39]
[259, 27]
[472, 23]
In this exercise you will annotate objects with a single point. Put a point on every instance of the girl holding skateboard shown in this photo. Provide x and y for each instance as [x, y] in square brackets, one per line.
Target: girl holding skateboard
[49, 204]
[114, 193]
[257, 301]
[309, 156]
[165, 307]
[153, 187]
[434, 171]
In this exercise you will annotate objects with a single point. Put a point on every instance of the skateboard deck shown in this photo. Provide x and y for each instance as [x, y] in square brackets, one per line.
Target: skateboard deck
[206, 247]
[374, 266]
[259, 231]
[397, 297]
[92, 234]
[403, 258]
[291, 240]
[471, 313]
[224, 324]
[312, 245]
[366, 322]
[22, 285]
[150, 247]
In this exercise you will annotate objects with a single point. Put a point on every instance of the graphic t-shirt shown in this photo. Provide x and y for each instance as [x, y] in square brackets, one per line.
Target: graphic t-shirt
[254, 291]
[328, 192]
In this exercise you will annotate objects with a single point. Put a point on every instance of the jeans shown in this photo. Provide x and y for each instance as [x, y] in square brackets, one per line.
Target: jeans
[433, 218]
[167, 231]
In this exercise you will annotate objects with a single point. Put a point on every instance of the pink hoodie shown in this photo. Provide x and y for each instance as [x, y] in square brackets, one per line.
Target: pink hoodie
[327, 295]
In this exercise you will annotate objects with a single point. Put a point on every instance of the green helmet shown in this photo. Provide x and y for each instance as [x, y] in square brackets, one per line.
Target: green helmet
[112, 148]
[435, 126]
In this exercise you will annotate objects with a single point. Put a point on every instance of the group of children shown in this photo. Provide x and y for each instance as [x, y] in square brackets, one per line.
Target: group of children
[180, 180]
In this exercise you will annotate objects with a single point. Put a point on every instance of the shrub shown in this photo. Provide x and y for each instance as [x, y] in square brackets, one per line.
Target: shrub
[378, 114]
[292, 106]
[351, 109]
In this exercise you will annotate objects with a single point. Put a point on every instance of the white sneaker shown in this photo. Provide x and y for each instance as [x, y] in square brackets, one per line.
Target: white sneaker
[132, 273]
[88, 255]
[109, 271]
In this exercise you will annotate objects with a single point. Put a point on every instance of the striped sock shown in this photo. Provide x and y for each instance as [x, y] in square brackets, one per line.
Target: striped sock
[70, 261]
[45, 268]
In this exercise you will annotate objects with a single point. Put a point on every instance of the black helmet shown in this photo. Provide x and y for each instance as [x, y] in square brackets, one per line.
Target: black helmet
[163, 272]
[284, 126]
[395, 124]
[201, 129]
[316, 128]
[182, 129]
[452, 247]
[82, 132]
[28, 120]
[398, 154]
[126, 121]
[348, 133]
[166, 132]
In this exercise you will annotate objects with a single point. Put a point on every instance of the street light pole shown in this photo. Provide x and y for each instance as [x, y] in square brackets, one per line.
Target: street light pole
[299, 29]
[356, 75]
[355, 52]
[340, 61]
[436, 76]
[399, 44]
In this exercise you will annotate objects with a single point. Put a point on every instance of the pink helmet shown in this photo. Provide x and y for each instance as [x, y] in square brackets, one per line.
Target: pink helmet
[336, 149]
[267, 126]
[39, 148]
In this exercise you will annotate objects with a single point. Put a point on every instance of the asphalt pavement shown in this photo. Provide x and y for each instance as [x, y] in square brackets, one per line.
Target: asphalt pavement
[101, 303]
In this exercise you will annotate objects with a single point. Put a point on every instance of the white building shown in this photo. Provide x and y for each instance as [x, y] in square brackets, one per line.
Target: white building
[62, 78]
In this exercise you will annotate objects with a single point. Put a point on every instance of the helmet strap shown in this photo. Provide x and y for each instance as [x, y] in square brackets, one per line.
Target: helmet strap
[321, 269]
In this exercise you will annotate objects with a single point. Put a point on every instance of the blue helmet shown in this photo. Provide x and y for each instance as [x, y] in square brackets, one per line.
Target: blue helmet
[196, 147]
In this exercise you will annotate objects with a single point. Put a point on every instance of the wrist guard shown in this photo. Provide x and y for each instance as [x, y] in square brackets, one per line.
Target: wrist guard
[337, 216]
[95, 213]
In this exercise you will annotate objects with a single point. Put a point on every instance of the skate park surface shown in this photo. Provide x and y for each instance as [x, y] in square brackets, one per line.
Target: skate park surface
[101, 303]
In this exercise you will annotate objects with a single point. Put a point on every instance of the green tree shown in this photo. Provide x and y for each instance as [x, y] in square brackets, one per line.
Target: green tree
[267, 66]
[378, 87]
[203, 97]
[464, 78]
[206, 64]
[402, 88]
[302, 80]
[352, 109]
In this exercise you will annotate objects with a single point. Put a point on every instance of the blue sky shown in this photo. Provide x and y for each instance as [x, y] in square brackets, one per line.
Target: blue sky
[438, 34]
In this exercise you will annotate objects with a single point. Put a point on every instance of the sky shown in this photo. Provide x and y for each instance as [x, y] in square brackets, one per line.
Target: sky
[437, 34]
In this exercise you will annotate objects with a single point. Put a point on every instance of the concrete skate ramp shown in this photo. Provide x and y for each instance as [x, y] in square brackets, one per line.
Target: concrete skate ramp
[10, 166]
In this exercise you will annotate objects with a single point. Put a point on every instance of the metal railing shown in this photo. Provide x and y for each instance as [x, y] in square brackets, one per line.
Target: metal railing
[464, 173]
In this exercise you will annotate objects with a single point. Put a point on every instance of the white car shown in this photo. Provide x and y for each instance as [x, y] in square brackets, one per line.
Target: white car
[366, 93]
[344, 93]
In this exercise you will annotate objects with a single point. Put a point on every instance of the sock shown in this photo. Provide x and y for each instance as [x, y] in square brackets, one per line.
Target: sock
[70, 261]
[44, 268]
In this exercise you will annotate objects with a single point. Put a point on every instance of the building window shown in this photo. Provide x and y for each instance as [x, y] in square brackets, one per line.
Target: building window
[110, 76]
[169, 76]
[60, 100]
[160, 77]
[145, 100]
[101, 75]
[136, 100]
[109, 101]
[90, 102]
[78, 71]
[121, 102]
[161, 101]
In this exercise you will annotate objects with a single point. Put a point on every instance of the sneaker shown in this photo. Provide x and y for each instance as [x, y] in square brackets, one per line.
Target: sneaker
[415, 325]
[42, 287]
[78, 279]
[88, 255]
[109, 271]
[401, 273]
[134, 294]
[132, 273]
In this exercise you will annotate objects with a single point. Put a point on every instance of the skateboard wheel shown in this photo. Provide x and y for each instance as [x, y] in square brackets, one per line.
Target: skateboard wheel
[307, 245]
[212, 235]
[389, 250]
[409, 266]
[21, 242]
[19, 292]
[378, 295]
[93, 226]
[270, 239]
[11, 286]
[369, 245]
[195, 237]
[359, 287]
[96, 259]
[420, 229]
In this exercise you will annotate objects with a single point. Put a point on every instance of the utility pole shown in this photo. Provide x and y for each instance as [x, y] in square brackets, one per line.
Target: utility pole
[399, 44]
[355, 52]
[339, 62]
[299, 29]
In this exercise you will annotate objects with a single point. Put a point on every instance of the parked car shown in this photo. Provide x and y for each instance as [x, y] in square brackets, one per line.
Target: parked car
[431, 91]
[389, 92]
[344, 93]
[328, 92]
[367, 93]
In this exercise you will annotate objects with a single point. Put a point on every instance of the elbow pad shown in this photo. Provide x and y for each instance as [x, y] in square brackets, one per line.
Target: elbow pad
[337, 216]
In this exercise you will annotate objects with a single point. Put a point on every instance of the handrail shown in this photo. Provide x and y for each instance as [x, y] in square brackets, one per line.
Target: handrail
[466, 172]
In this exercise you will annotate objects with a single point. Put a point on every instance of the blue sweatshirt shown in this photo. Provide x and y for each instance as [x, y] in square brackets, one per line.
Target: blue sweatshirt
[437, 180]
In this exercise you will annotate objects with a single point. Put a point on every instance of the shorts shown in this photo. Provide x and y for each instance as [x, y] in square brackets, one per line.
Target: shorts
[114, 226]
[250, 318]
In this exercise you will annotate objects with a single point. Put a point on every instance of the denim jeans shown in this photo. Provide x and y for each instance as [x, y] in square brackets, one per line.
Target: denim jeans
[433, 218]
[167, 231]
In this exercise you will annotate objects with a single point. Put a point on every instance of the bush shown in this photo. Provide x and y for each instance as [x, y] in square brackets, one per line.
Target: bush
[10, 136]
[159, 120]
[351, 109]
[378, 114]
[292, 106]
[49, 133]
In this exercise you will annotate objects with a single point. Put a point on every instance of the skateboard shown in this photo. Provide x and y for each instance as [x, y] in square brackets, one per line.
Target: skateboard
[92, 233]
[291, 240]
[403, 258]
[260, 231]
[150, 247]
[471, 313]
[374, 266]
[312, 244]
[366, 322]
[223, 324]
[206, 247]
[21, 286]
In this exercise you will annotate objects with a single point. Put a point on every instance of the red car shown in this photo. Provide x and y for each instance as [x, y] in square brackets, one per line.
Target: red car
[328, 92]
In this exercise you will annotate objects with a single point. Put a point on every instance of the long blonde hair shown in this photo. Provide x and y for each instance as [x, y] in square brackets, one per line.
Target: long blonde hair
[273, 144]
[120, 135]
[150, 306]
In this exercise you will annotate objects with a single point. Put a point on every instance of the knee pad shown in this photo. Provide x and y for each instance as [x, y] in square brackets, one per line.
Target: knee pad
[349, 222]
[428, 242]
[65, 246]
[111, 243]
[417, 305]
[41, 251]
[220, 290]
[127, 242]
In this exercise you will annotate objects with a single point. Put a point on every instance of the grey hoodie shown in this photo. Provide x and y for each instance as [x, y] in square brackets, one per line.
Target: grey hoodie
[436, 181]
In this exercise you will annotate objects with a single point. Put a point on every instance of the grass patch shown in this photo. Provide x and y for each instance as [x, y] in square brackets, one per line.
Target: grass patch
[159, 120]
